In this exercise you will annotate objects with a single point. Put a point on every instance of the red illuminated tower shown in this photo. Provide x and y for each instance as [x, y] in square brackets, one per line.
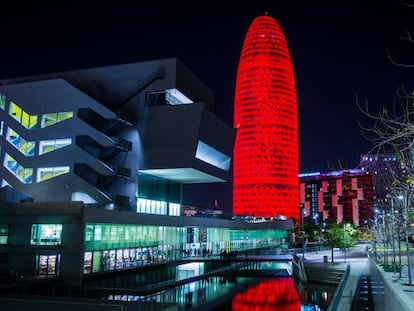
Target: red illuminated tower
[266, 160]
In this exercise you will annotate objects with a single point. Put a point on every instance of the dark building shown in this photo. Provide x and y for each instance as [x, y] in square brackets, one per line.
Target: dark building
[119, 135]
[93, 163]
[385, 170]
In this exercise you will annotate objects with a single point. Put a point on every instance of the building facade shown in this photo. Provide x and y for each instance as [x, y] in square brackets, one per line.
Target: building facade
[343, 196]
[125, 136]
[385, 170]
[93, 163]
[266, 161]
[71, 240]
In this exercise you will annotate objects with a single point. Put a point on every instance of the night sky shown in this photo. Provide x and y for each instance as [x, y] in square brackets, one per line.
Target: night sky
[338, 51]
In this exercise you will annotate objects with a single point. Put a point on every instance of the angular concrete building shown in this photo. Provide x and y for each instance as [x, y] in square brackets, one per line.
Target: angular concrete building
[112, 135]
[92, 167]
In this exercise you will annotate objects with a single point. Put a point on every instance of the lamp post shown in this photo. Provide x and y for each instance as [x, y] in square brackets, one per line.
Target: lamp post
[392, 235]
[344, 244]
[406, 237]
[400, 197]
[315, 217]
[302, 214]
[377, 240]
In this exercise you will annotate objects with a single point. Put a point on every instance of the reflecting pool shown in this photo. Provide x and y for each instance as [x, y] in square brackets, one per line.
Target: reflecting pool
[237, 293]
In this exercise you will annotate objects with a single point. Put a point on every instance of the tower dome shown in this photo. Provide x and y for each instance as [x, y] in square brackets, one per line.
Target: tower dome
[266, 159]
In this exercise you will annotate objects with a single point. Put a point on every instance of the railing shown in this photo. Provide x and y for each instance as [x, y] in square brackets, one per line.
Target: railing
[333, 306]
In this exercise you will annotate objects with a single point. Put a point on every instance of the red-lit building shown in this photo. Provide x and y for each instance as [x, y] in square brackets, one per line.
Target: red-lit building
[265, 168]
[345, 195]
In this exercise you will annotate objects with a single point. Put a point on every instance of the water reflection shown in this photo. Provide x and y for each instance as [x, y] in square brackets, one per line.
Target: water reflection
[241, 293]
[269, 294]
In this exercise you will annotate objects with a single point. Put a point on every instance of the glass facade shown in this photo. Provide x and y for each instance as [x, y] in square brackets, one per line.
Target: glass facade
[155, 188]
[116, 246]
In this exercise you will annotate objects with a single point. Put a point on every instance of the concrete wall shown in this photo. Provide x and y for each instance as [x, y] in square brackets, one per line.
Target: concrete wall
[387, 290]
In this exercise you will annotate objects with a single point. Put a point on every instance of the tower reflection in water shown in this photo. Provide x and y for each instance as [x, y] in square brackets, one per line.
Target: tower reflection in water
[272, 294]
[281, 294]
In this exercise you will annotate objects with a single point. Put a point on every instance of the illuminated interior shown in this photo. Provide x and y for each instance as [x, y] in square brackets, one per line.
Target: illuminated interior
[146, 206]
[266, 167]
[116, 246]
[46, 234]
[212, 156]
[4, 234]
[167, 97]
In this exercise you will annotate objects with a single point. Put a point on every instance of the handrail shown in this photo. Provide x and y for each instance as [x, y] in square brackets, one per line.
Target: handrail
[333, 306]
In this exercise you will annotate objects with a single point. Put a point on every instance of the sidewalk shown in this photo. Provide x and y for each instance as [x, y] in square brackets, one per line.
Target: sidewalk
[357, 267]
[390, 293]
[397, 294]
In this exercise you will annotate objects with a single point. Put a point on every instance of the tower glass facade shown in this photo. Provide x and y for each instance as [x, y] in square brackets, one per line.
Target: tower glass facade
[265, 178]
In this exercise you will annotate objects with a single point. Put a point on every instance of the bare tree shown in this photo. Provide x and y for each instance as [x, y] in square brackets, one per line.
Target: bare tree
[392, 128]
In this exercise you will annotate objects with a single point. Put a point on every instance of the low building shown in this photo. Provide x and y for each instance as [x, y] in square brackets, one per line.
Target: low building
[71, 240]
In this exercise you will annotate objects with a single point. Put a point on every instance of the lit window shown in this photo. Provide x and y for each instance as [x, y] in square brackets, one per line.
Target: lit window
[46, 146]
[46, 234]
[2, 101]
[151, 207]
[4, 183]
[46, 173]
[56, 117]
[4, 233]
[23, 174]
[28, 121]
[212, 156]
[25, 147]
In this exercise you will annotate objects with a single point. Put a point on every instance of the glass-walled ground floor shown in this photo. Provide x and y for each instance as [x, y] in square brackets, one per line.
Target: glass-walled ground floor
[112, 247]
[115, 247]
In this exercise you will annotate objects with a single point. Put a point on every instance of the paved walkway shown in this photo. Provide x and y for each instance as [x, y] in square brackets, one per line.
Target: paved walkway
[358, 266]
[394, 286]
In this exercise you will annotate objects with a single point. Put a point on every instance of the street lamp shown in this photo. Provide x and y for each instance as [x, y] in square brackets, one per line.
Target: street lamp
[344, 244]
[345, 226]
[406, 237]
[377, 240]
[315, 217]
[392, 235]
[302, 214]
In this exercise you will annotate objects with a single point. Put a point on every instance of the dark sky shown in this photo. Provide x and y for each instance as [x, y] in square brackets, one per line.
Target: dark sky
[338, 51]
